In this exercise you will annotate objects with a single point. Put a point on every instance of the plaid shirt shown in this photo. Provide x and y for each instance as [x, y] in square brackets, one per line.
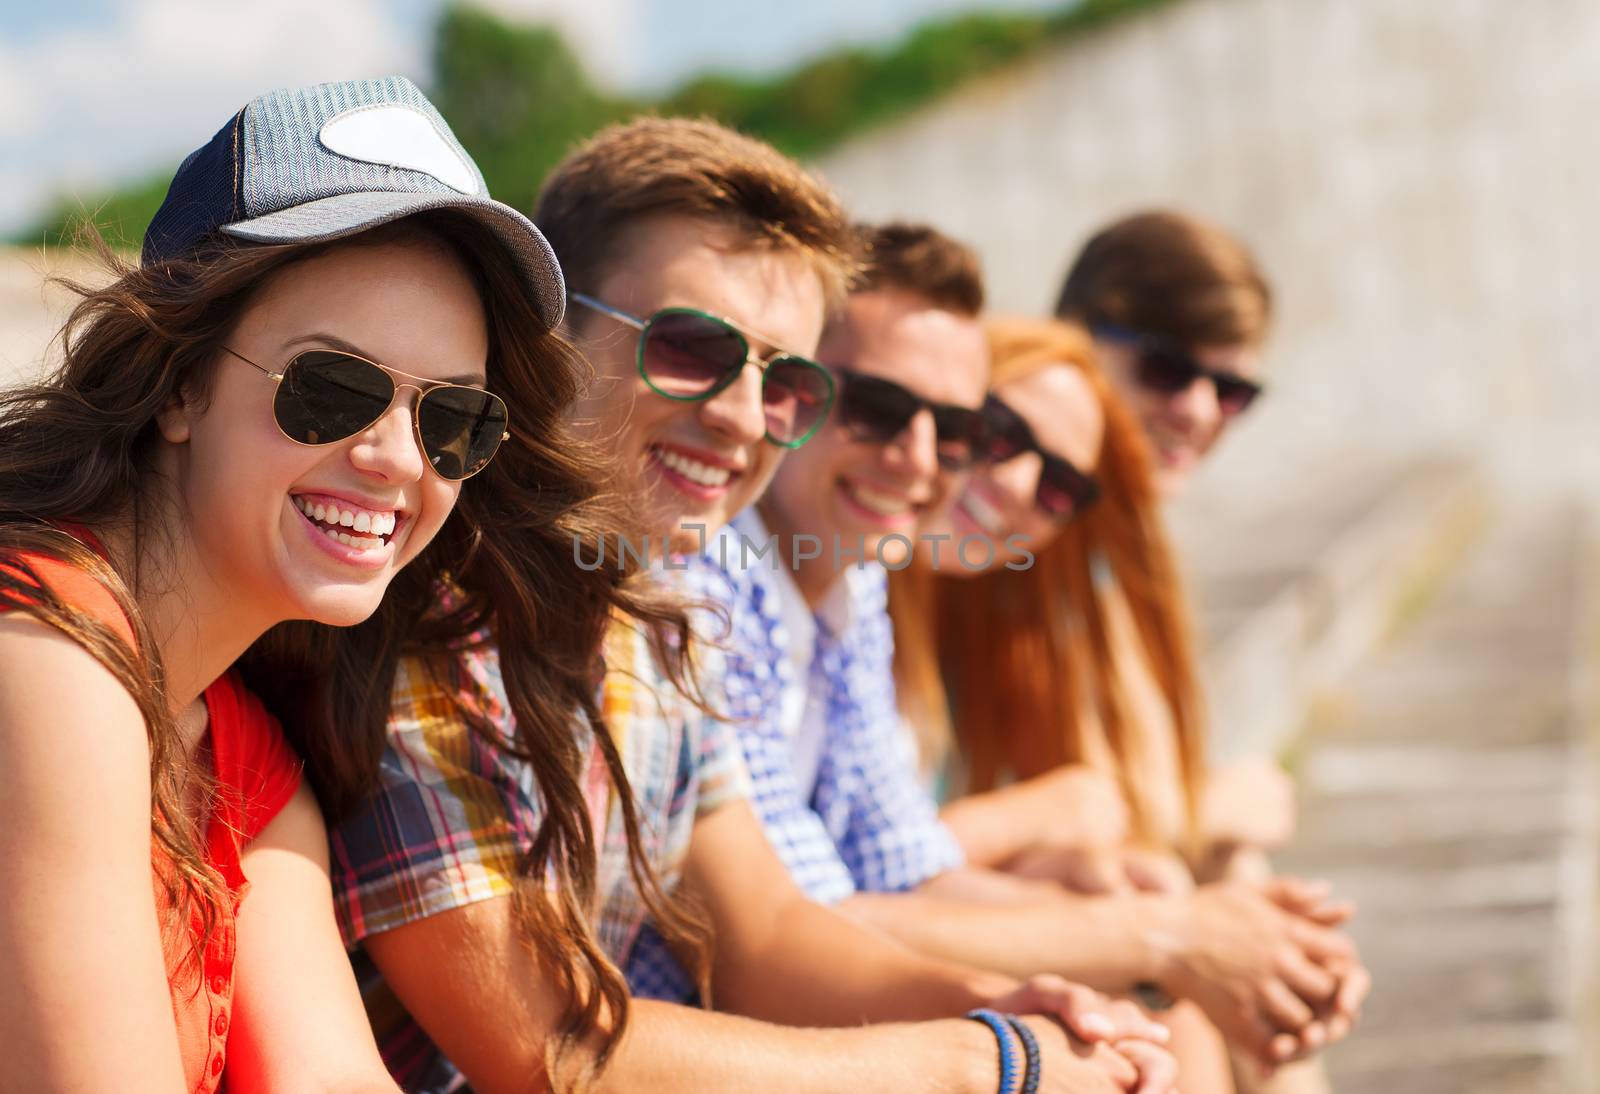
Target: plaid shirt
[452, 814]
[866, 822]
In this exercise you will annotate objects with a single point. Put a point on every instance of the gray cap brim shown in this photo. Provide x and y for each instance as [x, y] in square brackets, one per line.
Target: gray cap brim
[347, 214]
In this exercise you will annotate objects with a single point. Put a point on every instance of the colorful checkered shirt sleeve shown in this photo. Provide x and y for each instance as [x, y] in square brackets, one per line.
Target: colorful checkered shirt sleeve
[449, 814]
[868, 795]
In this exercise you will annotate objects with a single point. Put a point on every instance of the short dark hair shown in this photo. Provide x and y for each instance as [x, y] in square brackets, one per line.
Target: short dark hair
[920, 259]
[1173, 274]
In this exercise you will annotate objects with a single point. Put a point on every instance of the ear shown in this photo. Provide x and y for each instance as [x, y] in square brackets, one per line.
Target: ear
[175, 420]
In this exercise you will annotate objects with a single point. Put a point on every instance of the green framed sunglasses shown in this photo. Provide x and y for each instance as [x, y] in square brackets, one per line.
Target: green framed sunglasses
[690, 355]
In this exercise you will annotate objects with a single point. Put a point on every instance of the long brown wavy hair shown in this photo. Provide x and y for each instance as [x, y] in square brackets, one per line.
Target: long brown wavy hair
[1002, 666]
[76, 449]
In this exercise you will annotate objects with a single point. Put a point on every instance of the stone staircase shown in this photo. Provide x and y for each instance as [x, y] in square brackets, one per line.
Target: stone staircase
[1448, 786]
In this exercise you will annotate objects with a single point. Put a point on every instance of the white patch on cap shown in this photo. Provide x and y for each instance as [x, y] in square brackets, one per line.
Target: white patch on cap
[397, 136]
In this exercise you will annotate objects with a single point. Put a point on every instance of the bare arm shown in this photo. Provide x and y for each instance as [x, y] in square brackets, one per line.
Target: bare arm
[1069, 806]
[478, 990]
[298, 1023]
[84, 1003]
[771, 942]
[1023, 927]
[1257, 970]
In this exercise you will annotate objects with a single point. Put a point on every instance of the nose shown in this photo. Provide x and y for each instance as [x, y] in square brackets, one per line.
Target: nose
[736, 412]
[914, 453]
[1196, 405]
[1017, 481]
[388, 449]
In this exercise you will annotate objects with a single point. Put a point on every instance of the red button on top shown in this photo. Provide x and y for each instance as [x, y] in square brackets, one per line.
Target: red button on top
[219, 984]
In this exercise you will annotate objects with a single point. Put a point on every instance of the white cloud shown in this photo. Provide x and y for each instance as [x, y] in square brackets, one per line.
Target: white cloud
[83, 108]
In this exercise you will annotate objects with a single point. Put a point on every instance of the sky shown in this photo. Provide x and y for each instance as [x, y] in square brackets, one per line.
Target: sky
[94, 93]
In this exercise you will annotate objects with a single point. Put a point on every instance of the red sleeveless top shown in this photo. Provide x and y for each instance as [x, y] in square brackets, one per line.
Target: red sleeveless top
[256, 774]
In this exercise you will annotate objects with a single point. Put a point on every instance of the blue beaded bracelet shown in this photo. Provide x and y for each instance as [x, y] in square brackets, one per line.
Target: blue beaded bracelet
[1030, 1052]
[1004, 1034]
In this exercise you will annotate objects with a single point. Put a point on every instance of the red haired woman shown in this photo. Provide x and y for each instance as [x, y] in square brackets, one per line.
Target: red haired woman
[1059, 681]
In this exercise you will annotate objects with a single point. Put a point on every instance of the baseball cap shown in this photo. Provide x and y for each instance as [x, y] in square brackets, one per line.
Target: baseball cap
[321, 163]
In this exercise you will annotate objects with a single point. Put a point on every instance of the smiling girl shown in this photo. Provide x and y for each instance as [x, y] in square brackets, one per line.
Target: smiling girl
[263, 422]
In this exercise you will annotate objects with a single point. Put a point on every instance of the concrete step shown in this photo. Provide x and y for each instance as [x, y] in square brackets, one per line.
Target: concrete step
[1293, 589]
[1449, 788]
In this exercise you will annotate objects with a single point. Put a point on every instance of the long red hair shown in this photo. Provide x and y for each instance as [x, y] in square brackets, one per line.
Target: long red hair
[1001, 667]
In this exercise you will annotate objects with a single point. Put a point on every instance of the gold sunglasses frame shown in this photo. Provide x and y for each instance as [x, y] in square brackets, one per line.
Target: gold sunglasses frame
[422, 387]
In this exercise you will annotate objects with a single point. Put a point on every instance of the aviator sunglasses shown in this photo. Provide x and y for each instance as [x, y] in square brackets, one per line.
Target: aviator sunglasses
[1164, 366]
[1063, 489]
[325, 396]
[877, 410]
[691, 355]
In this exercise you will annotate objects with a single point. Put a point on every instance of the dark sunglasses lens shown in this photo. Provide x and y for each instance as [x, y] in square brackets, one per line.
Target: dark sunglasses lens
[1005, 435]
[959, 433]
[795, 395]
[877, 410]
[1234, 395]
[1165, 369]
[685, 355]
[1063, 489]
[461, 429]
[326, 397]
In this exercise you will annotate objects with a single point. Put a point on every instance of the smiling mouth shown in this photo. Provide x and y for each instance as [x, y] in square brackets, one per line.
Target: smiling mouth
[362, 529]
[981, 513]
[702, 474]
[880, 503]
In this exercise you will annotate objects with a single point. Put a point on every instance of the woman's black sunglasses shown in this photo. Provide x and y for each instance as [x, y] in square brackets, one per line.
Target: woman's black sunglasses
[877, 410]
[325, 396]
[1165, 366]
[690, 355]
[1063, 489]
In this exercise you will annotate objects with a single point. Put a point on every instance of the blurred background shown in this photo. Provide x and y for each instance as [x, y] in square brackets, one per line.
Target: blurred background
[1394, 557]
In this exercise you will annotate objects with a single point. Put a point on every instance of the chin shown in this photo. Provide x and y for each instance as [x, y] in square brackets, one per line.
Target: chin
[341, 607]
[1170, 482]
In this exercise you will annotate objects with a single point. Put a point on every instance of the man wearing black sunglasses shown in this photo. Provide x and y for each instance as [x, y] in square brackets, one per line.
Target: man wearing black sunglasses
[1179, 311]
[838, 799]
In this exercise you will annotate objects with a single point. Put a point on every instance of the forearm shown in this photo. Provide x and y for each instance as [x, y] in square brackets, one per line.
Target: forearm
[677, 1050]
[816, 967]
[993, 827]
[1108, 942]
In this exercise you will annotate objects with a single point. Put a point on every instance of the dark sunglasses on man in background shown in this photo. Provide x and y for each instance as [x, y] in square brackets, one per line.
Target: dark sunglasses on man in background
[325, 396]
[690, 355]
[878, 410]
[1163, 365]
[1063, 489]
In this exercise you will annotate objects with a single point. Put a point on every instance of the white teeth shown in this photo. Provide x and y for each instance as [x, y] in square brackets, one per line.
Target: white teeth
[887, 505]
[378, 523]
[694, 470]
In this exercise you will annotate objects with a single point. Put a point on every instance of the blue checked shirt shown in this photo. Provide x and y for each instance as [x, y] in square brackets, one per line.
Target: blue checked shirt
[866, 822]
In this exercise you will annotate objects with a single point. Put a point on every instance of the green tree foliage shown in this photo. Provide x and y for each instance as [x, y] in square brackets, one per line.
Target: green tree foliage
[519, 99]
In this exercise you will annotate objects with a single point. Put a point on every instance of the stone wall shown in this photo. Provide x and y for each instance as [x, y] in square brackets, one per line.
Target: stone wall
[1419, 176]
